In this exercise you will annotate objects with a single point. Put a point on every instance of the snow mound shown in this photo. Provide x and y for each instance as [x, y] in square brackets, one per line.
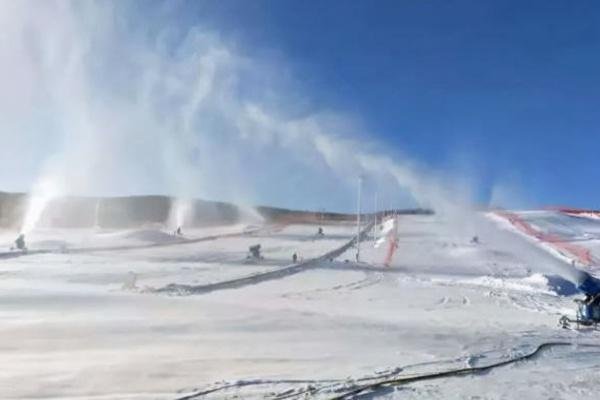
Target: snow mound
[153, 236]
[536, 283]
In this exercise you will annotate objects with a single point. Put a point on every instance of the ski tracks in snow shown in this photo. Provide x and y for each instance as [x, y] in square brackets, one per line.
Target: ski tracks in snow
[369, 279]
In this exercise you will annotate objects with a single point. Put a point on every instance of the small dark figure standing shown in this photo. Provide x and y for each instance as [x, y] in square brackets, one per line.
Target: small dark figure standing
[294, 258]
[320, 231]
[178, 231]
[20, 242]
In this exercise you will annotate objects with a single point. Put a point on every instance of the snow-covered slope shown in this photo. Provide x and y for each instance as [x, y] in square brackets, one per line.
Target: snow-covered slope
[90, 324]
[575, 238]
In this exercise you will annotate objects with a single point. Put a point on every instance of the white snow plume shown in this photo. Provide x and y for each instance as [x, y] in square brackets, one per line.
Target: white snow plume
[162, 107]
[508, 194]
[348, 158]
[45, 191]
[182, 213]
[249, 215]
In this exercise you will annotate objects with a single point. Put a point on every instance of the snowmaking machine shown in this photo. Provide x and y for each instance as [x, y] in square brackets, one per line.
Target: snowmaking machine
[588, 308]
[254, 254]
[20, 243]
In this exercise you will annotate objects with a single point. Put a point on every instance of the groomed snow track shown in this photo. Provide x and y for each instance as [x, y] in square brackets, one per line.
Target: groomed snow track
[80, 250]
[186, 290]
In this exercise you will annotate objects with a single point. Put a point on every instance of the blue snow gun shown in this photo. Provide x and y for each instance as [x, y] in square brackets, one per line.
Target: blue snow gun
[589, 285]
[588, 309]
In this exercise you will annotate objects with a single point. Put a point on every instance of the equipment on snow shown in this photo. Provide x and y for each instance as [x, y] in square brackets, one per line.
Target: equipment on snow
[20, 242]
[588, 308]
[254, 252]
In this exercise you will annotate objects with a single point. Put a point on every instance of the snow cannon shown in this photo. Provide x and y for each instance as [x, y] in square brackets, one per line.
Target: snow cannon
[20, 242]
[588, 308]
[589, 285]
[254, 252]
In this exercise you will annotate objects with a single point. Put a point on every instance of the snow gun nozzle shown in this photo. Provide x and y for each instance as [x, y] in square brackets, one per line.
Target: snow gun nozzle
[589, 285]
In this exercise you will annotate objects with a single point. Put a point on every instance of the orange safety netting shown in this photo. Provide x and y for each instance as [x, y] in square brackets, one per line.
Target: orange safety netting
[581, 254]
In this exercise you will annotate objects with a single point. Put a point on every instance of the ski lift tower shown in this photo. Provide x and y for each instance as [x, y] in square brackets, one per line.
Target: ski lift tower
[360, 181]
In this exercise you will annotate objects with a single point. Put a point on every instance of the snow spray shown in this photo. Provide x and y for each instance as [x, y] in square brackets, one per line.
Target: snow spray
[43, 193]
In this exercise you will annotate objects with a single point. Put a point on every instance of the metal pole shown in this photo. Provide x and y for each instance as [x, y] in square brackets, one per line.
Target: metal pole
[358, 220]
[376, 208]
[376, 217]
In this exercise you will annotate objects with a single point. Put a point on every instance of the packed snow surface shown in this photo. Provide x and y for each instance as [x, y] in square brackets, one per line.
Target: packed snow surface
[87, 321]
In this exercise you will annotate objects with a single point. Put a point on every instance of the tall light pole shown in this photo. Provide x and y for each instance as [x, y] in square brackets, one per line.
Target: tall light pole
[376, 214]
[360, 179]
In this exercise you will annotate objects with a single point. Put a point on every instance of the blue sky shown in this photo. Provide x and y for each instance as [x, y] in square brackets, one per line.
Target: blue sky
[508, 90]
[284, 102]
